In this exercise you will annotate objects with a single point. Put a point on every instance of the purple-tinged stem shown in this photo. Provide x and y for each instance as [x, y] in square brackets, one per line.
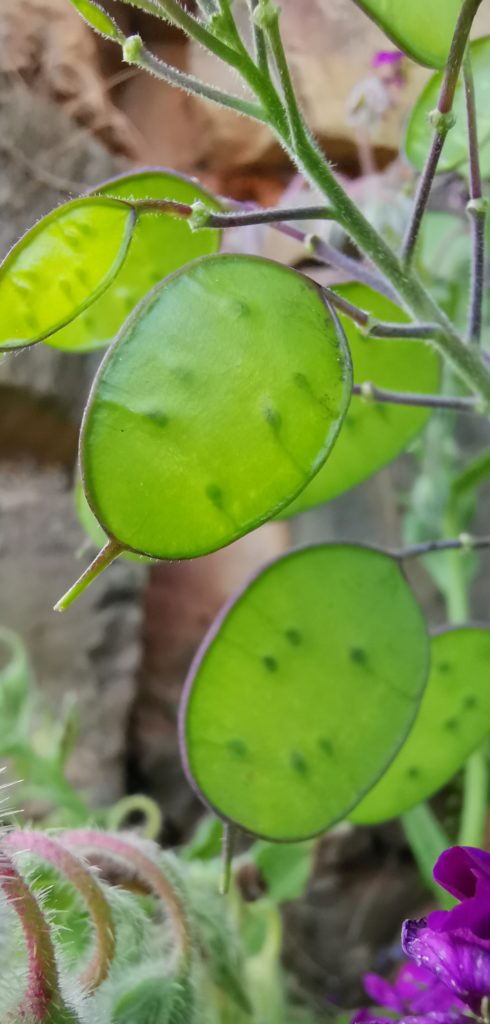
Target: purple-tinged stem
[42, 992]
[136, 864]
[477, 208]
[82, 880]
[465, 542]
[442, 122]
[371, 393]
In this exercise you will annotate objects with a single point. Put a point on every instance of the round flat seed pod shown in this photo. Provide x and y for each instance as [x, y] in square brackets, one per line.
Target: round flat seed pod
[60, 267]
[421, 28]
[161, 243]
[219, 401]
[374, 433]
[92, 528]
[453, 720]
[304, 690]
[455, 152]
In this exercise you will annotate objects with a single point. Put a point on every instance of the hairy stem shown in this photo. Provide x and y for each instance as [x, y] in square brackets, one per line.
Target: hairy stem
[442, 121]
[477, 208]
[134, 862]
[83, 881]
[43, 993]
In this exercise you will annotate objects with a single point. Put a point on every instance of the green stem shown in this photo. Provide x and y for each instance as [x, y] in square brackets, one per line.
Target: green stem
[110, 552]
[427, 840]
[477, 208]
[475, 783]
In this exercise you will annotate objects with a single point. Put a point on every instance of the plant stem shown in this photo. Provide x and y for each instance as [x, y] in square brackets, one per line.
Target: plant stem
[374, 394]
[273, 34]
[427, 841]
[259, 41]
[83, 881]
[477, 208]
[141, 57]
[465, 542]
[475, 783]
[134, 862]
[442, 122]
[229, 840]
[274, 216]
[109, 553]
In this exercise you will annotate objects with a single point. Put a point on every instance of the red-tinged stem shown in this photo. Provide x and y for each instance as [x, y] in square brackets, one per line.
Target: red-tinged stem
[477, 208]
[442, 123]
[135, 863]
[42, 992]
[371, 393]
[83, 881]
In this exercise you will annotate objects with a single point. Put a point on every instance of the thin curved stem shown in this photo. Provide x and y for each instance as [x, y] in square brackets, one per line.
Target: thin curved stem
[260, 44]
[442, 122]
[477, 208]
[371, 393]
[273, 216]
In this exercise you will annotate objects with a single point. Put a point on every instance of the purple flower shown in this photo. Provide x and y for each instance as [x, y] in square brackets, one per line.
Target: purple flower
[455, 944]
[391, 57]
[449, 976]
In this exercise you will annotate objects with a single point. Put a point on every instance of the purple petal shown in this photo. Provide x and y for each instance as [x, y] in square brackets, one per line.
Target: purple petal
[384, 57]
[456, 961]
[459, 868]
[382, 993]
[471, 917]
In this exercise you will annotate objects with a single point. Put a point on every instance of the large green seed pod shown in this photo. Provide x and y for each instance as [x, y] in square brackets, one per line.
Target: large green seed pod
[304, 690]
[219, 401]
[453, 720]
[161, 243]
[422, 28]
[60, 267]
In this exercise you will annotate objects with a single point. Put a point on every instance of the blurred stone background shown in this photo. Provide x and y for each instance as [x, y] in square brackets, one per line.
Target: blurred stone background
[72, 115]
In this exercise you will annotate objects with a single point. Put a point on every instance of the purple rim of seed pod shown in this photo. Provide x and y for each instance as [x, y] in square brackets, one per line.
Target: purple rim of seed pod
[208, 641]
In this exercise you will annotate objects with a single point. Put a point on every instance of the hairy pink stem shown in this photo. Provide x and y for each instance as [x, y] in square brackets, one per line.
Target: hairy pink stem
[90, 891]
[135, 863]
[42, 991]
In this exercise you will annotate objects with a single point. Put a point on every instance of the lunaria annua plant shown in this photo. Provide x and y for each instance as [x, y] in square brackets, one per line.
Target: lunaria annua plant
[236, 390]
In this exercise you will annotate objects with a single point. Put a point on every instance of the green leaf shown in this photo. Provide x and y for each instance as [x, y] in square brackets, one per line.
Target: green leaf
[286, 868]
[15, 686]
[453, 720]
[60, 267]
[98, 19]
[92, 528]
[422, 28]
[156, 1000]
[374, 433]
[161, 244]
[219, 401]
[269, 737]
[455, 152]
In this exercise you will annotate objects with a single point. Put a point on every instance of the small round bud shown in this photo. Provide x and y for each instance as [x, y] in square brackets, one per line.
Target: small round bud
[467, 541]
[365, 330]
[478, 207]
[132, 49]
[442, 123]
[266, 14]
[367, 391]
[199, 217]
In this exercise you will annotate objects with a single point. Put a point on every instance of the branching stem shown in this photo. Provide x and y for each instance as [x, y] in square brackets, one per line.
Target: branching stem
[371, 393]
[442, 121]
